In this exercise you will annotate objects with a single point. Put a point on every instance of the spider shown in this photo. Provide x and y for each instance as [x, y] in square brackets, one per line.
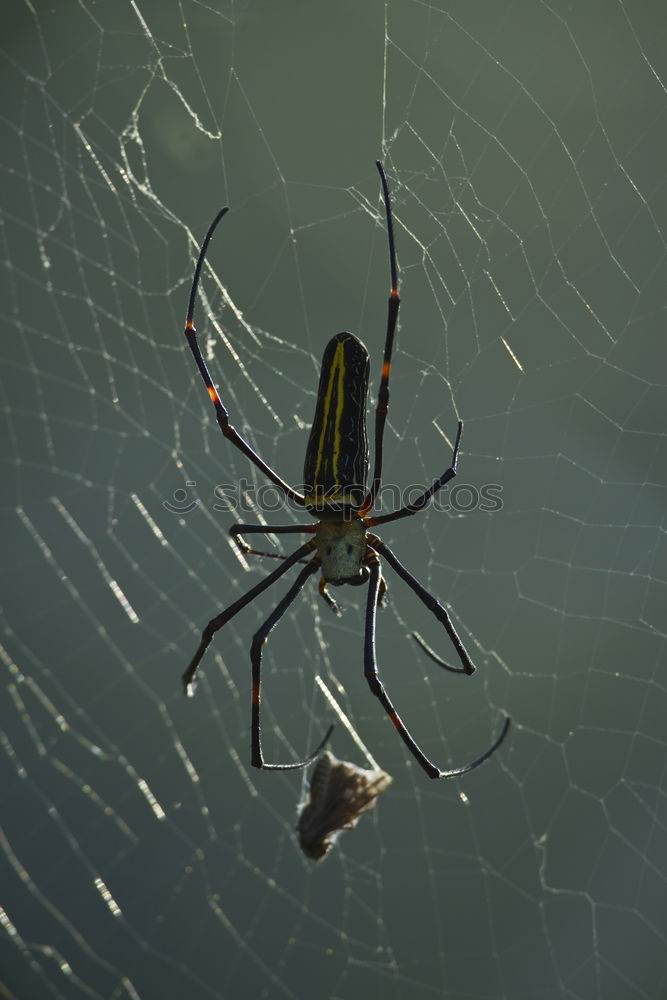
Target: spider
[343, 548]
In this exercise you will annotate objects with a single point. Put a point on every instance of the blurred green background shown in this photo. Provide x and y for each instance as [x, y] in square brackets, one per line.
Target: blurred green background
[525, 149]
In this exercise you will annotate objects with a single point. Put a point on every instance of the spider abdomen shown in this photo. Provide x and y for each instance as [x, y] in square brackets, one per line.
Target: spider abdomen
[336, 464]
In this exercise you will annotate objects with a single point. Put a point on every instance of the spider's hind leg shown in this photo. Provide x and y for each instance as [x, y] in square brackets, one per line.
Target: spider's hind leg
[259, 638]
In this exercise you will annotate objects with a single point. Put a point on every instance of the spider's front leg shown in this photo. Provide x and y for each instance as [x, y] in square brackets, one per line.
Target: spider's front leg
[221, 413]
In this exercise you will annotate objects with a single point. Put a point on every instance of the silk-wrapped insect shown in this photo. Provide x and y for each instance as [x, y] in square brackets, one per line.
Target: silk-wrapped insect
[340, 792]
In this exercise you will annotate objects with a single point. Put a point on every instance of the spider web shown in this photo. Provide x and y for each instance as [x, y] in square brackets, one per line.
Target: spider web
[524, 145]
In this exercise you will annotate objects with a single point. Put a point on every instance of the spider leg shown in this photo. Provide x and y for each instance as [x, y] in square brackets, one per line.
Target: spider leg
[420, 502]
[431, 603]
[258, 640]
[221, 413]
[376, 686]
[432, 655]
[266, 529]
[392, 318]
[216, 623]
